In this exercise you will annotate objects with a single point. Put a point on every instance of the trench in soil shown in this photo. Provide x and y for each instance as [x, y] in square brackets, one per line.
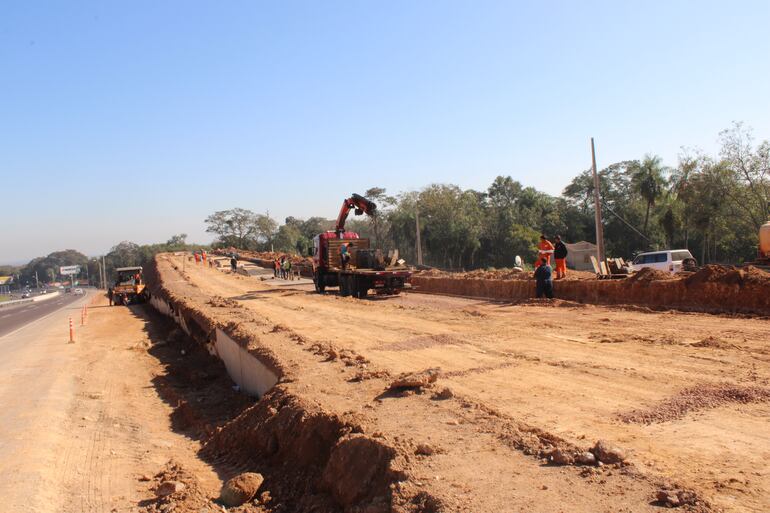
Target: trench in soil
[312, 460]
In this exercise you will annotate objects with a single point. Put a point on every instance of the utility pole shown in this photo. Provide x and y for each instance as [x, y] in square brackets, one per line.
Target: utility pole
[419, 244]
[37, 282]
[104, 274]
[597, 208]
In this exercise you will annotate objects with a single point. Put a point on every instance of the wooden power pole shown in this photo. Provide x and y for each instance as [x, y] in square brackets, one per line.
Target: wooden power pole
[419, 244]
[597, 208]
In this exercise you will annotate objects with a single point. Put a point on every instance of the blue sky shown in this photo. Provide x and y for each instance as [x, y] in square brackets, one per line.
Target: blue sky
[135, 120]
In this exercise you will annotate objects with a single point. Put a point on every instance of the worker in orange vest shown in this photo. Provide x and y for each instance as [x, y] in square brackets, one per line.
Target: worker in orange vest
[545, 249]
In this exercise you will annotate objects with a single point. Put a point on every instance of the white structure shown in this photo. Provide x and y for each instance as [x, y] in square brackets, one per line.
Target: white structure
[579, 255]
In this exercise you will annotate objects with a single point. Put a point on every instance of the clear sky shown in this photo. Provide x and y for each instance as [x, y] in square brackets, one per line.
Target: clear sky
[135, 120]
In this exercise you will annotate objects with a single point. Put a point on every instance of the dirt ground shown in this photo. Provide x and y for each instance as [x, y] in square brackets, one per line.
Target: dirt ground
[115, 429]
[684, 395]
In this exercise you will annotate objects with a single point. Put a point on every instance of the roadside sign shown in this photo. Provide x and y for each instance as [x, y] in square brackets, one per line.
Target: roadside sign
[69, 269]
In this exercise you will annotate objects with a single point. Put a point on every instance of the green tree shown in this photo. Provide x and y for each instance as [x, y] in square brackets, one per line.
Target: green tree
[242, 228]
[648, 180]
[379, 219]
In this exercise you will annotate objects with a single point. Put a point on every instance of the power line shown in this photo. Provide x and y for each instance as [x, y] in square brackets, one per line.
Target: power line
[626, 222]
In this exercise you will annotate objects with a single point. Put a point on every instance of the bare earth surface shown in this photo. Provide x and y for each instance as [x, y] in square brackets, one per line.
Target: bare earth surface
[684, 395]
[85, 426]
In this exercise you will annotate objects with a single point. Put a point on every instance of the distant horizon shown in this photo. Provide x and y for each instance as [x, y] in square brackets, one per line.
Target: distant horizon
[131, 122]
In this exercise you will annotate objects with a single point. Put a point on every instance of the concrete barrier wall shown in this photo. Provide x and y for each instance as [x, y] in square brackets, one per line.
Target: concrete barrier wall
[42, 297]
[46, 297]
[251, 375]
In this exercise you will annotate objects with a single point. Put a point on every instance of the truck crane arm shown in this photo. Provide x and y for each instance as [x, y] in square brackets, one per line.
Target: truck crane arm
[361, 206]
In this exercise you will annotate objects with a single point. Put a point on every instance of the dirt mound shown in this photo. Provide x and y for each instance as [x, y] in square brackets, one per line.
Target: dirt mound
[649, 274]
[177, 490]
[422, 342]
[729, 275]
[415, 379]
[555, 303]
[714, 343]
[695, 399]
[327, 453]
[499, 274]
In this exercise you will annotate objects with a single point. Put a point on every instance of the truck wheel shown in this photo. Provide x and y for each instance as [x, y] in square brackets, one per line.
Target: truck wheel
[318, 280]
[344, 286]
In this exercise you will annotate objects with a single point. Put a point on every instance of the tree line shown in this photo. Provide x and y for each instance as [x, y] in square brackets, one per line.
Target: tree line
[710, 204]
[125, 254]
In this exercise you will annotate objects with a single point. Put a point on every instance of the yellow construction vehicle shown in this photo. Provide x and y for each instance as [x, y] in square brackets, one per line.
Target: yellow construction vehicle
[129, 287]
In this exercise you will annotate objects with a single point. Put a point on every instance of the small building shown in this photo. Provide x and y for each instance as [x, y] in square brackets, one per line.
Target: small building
[579, 255]
[5, 284]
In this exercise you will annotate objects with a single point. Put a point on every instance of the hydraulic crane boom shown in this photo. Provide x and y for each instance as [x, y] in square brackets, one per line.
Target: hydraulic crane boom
[357, 202]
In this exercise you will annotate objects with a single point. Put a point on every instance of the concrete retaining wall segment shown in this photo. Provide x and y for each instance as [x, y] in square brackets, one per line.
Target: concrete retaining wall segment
[251, 375]
[248, 372]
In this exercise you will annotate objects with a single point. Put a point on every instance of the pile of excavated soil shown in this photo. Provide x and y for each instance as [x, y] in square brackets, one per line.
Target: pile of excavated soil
[554, 303]
[649, 274]
[499, 274]
[729, 275]
[268, 256]
[714, 343]
[714, 289]
[695, 399]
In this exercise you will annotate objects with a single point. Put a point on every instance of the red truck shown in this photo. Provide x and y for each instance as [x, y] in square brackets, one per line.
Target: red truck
[366, 269]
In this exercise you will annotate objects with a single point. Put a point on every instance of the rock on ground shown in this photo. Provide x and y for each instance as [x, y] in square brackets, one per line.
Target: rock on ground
[607, 453]
[561, 457]
[240, 489]
[415, 379]
[445, 393]
[167, 488]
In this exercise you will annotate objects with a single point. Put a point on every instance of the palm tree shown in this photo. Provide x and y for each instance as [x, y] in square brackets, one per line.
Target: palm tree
[647, 178]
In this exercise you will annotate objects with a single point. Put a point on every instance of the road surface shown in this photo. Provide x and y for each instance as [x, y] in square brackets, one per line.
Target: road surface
[14, 317]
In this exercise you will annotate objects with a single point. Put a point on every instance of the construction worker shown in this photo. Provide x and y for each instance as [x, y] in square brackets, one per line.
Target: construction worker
[197, 256]
[233, 263]
[560, 257]
[287, 268]
[345, 254]
[545, 248]
[276, 267]
[544, 282]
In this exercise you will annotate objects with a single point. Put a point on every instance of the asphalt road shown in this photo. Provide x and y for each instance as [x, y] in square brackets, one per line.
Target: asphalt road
[14, 317]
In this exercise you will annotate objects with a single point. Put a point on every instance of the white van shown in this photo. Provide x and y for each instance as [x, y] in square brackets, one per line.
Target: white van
[669, 260]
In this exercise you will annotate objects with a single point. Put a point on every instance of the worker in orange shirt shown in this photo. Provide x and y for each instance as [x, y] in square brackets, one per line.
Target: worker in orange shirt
[545, 248]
